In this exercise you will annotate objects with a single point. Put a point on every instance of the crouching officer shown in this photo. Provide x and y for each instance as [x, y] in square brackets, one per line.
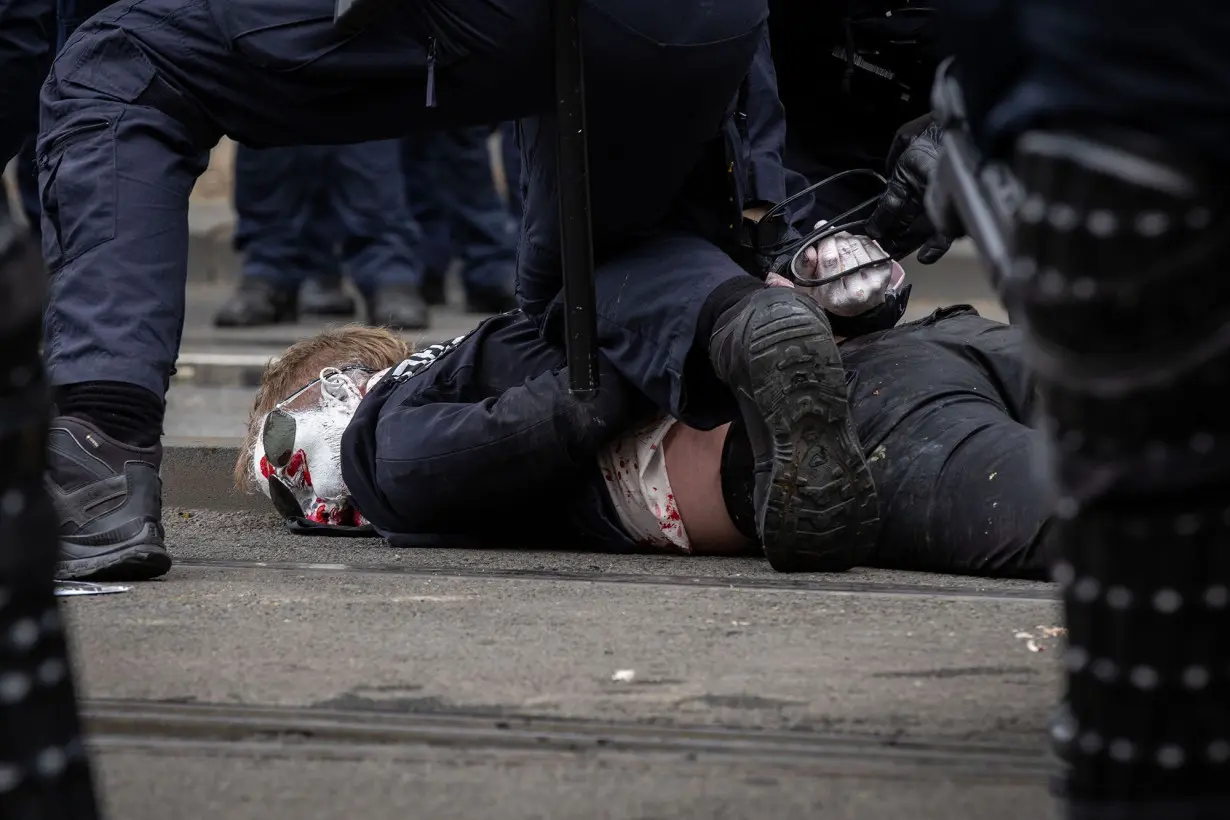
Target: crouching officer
[127, 125]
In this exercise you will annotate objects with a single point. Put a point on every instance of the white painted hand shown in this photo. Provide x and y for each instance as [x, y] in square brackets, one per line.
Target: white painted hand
[859, 292]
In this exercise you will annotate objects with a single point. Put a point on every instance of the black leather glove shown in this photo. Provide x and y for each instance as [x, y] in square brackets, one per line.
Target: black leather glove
[899, 222]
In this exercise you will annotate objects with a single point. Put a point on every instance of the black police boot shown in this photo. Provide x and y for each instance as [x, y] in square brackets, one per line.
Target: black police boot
[108, 499]
[815, 501]
[325, 296]
[398, 306]
[497, 299]
[433, 290]
[1121, 250]
[256, 303]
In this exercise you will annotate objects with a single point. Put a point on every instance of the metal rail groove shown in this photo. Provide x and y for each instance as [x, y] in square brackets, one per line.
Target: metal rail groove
[322, 732]
[787, 583]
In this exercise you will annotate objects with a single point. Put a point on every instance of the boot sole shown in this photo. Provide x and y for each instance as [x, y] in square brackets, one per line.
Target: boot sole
[817, 505]
[139, 559]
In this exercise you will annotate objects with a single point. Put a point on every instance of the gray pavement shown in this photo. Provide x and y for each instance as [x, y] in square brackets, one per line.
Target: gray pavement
[307, 678]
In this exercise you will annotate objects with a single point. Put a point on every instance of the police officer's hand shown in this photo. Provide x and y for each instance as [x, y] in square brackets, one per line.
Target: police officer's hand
[899, 222]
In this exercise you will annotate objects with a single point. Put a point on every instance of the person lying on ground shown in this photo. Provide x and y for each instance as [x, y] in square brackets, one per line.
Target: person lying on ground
[478, 441]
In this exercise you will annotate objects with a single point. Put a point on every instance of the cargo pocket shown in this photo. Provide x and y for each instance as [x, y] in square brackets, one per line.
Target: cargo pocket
[78, 190]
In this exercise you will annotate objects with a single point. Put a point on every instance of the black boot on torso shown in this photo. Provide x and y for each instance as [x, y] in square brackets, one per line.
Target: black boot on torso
[815, 501]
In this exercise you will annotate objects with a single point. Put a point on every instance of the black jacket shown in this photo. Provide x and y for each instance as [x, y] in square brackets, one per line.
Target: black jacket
[866, 62]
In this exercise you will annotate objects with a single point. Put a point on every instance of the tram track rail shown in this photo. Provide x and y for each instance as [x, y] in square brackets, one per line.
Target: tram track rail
[785, 583]
[332, 733]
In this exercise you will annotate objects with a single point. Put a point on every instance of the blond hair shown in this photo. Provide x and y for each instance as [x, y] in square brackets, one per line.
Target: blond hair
[349, 345]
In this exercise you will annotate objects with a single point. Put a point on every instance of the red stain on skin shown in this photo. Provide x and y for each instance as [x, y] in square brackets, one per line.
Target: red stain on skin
[266, 468]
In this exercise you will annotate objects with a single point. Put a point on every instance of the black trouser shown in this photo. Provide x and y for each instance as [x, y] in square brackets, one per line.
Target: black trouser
[943, 407]
[44, 772]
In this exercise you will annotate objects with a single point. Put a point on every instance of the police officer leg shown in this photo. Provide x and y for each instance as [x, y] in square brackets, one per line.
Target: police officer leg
[478, 219]
[420, 168]
[378, 233]
[323, 292]
[274, 188]
[44, 770]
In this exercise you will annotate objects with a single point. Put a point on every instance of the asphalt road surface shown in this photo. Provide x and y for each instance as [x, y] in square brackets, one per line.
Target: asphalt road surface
[275, 676]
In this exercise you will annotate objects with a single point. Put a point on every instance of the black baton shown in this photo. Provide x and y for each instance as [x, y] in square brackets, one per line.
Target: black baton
[576, 228]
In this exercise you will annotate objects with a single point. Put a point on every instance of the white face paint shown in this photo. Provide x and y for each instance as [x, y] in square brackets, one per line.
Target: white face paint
[321, 411]
[314, 473]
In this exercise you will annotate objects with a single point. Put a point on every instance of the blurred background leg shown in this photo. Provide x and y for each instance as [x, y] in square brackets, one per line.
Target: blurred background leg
[275, 192]
[424, 179]
[478, 219]
[379, 235]
[323, 292]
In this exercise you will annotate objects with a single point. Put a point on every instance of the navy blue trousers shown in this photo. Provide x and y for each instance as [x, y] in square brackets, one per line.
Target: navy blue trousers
[297, 207]
[127, 124]
[452, 196]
